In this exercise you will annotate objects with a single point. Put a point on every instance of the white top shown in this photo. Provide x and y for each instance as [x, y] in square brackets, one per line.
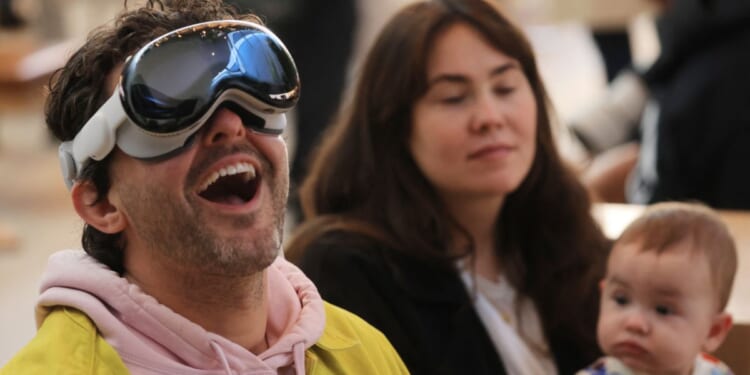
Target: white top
[518, 337]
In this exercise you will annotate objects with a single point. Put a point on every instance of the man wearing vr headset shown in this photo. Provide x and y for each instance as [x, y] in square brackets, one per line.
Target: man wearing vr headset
[170, 123]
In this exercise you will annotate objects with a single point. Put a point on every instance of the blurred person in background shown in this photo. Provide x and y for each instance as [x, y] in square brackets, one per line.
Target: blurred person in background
[8, 15]
[320, 35]
[689, 111]
[439, 210]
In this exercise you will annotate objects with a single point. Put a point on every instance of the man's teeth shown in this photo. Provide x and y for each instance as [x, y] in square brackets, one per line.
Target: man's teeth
[230, 170]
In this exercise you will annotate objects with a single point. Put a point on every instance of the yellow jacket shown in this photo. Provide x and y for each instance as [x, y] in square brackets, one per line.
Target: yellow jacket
[69, 343]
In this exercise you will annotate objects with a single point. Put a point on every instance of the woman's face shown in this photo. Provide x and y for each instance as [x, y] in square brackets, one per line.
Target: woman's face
[474, 131]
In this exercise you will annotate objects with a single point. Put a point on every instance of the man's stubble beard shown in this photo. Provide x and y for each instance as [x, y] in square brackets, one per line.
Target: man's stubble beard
[183, 235]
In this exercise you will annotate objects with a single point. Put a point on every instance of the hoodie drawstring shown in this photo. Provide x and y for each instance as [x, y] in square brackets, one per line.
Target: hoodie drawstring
[222, 357]
[298, 351]
[298, 357]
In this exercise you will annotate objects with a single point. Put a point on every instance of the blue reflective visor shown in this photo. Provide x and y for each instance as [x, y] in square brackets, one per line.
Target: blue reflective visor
[169, 88]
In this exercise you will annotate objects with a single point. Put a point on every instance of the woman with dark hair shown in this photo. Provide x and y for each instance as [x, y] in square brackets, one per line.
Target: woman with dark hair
[439, 210]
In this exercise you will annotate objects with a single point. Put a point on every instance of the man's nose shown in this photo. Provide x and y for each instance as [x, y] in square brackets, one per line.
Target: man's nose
[223, 126]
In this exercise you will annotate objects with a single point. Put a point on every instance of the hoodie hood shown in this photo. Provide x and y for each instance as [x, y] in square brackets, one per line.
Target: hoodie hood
[152, 339]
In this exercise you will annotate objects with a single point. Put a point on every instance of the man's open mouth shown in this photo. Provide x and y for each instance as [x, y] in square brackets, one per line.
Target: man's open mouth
[234, 184]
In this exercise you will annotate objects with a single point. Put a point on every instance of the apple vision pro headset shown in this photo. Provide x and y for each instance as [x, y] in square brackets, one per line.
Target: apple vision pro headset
[170, 87]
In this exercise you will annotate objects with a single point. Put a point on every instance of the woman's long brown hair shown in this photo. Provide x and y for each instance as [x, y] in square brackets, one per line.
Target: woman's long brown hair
[364, 179]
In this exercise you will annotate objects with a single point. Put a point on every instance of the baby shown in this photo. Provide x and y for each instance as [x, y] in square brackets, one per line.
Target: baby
[668, 281]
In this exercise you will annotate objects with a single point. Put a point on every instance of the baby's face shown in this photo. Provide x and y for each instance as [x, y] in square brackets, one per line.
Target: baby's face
[657, 310]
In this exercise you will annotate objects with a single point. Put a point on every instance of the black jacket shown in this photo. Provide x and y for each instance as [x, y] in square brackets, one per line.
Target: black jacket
[425, 312]
[698, 145]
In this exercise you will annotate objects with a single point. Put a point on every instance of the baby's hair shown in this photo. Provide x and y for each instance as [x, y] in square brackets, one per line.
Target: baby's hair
[665, 224]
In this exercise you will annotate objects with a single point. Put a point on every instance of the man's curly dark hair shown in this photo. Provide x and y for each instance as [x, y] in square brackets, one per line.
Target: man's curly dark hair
[78, 89]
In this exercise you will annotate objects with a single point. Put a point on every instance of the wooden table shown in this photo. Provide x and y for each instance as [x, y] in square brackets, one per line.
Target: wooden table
[615, 217]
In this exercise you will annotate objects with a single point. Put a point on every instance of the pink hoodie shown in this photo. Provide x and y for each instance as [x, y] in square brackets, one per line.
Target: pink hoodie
[152, 339]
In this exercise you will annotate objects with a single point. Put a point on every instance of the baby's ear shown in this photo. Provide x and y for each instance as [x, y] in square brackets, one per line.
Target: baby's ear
[601, 285]
[720, 327]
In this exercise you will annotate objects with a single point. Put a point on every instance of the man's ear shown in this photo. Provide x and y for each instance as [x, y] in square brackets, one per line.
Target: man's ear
[720, 327]
[99, 212]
